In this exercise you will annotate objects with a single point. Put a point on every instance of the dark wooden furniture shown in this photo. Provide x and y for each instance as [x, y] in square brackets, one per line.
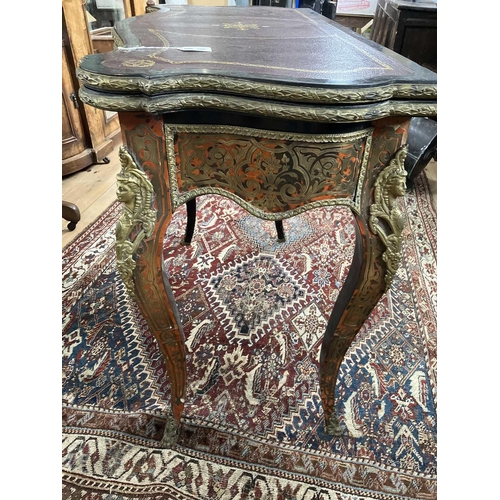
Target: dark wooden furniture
[278, 127]
[352, 21]
[422, 146]
[88, 135]
[71, 213]
[409, 27]
[272, 3]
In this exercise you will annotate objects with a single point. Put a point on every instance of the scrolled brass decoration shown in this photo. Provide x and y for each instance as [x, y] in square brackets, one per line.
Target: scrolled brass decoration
[138, 63]
[281, 92]
[137, 220]
[386, 219]
[416, 91]
[274, 175]
[336, 114]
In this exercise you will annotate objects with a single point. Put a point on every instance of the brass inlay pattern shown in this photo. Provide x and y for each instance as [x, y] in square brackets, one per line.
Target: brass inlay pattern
[156, 57]
[273, 175]
[296, 93]
[137, 219]
[386, 219]
[163, 40]
[359, 47]
[138, 63]
[240, 26]
[180, 101]
[362, 174]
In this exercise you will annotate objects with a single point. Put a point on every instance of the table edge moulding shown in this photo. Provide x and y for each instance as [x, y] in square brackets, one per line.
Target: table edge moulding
[349, 107]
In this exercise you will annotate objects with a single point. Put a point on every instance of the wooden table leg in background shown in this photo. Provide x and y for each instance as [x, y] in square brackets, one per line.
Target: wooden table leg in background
[191, 223]
[71, 213]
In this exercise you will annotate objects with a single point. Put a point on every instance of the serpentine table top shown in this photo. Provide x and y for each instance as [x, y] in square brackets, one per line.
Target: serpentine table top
[293, 55]
[208, 99]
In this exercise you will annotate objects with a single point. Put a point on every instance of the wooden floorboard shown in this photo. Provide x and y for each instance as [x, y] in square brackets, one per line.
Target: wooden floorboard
[92, 190]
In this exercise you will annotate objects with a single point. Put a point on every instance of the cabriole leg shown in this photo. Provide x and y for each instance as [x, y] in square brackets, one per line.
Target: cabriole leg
[362, 289]
[143, 187]
[376, 258]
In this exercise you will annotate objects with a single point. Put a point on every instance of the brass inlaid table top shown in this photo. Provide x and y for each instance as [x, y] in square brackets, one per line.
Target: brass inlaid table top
[217, 50]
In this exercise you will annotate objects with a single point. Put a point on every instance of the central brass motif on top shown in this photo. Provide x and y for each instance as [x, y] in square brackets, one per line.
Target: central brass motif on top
[273, 175]
[138, 63]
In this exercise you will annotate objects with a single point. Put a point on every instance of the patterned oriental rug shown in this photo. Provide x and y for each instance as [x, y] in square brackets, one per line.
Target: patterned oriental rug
[253, 312]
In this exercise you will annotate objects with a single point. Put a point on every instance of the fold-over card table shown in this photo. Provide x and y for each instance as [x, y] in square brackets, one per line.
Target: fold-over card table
[282, 111]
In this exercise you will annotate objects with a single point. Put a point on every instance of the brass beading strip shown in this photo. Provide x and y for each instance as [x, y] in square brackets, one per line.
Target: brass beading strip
[293, 93]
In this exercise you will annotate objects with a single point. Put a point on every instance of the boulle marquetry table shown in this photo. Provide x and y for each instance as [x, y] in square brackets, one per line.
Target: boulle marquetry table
[282, 111]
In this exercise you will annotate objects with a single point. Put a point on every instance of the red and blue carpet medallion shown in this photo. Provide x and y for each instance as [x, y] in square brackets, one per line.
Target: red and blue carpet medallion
[254, 311]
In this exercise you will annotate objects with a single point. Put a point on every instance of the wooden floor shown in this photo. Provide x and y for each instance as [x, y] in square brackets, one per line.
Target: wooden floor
[93, 190]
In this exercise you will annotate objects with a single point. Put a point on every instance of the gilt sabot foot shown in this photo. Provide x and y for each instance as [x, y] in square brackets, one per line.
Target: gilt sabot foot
[332, 425]
[171, 433]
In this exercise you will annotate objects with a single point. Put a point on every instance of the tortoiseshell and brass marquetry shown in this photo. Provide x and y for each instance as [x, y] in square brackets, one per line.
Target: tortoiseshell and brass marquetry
[273, 175]
[279, 131]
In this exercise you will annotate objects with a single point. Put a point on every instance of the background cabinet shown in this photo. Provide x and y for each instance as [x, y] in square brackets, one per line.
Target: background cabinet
[75, 154]
[88, 134]
[409, 27]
